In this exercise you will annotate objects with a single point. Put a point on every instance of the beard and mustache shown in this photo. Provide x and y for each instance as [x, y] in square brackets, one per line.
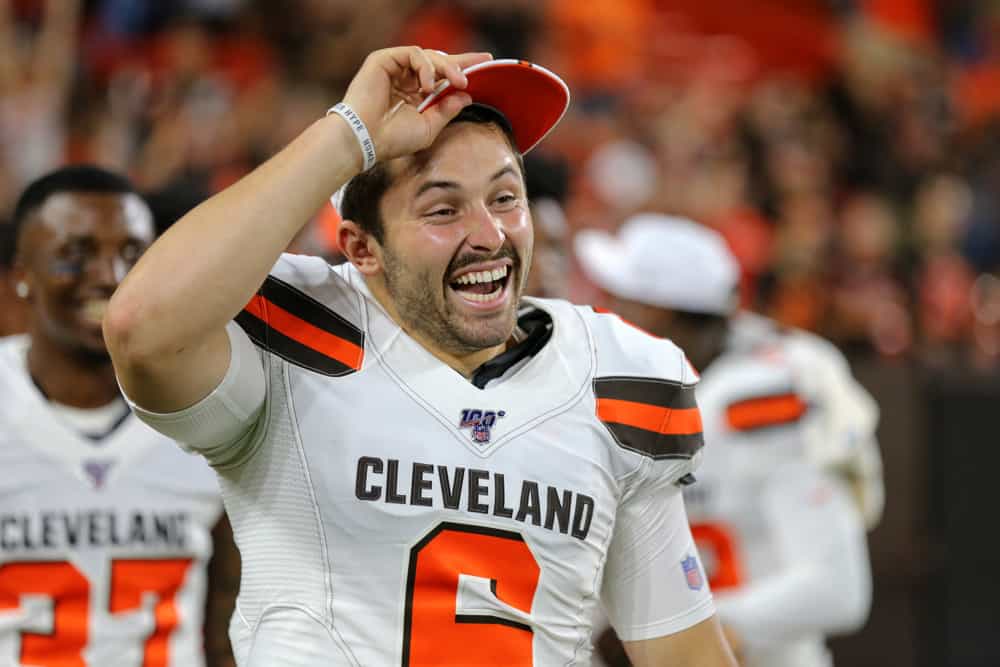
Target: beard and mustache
[423, 307]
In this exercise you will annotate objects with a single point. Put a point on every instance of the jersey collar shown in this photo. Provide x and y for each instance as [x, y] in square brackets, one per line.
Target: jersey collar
[535, 327]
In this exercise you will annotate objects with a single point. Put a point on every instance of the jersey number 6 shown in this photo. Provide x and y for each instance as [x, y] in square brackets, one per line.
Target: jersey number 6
[468, 591]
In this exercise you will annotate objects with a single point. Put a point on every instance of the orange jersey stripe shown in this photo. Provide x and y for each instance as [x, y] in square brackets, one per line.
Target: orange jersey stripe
[305, 333]
[654, 418]
[767, 411]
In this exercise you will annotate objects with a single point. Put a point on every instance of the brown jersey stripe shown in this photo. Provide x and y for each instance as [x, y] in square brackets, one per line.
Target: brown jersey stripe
[652, 391]
[305, 333]
[290, 349]
[653, 418]
[765, 411]
[308, 309]
[297, 340]
[656, 445]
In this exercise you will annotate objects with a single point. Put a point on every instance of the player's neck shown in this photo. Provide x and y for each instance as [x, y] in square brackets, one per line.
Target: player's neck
[69, 377]
[466, 364]
[463, 363]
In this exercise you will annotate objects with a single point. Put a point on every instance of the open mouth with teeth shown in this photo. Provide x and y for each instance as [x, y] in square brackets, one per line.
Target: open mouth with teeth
[482, 286]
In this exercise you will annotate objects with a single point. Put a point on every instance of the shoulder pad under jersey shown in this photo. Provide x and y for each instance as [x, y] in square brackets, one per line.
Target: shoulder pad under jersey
[309, 314]
[644, 390]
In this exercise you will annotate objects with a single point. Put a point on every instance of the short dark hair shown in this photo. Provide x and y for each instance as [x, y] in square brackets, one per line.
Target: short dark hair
[73, 178]
[363, 193]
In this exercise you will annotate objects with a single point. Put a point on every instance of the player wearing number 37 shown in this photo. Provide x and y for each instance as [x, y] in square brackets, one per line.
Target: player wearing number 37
[106, 528]
[421, 467]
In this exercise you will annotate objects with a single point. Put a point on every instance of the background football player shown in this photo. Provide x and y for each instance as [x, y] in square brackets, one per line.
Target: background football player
[791, 476]
[106, 528]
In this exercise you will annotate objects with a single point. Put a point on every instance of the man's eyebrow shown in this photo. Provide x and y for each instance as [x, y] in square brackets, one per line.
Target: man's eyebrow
[508, 169]
[430, 185]
[452, 185]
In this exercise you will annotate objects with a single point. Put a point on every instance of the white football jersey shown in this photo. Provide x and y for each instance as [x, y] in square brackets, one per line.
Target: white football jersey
[103, 542]
[840, 436]
[782, 539]
[391, 512]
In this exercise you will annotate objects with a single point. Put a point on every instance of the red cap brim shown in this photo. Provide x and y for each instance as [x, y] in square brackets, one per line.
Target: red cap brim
[530, 97]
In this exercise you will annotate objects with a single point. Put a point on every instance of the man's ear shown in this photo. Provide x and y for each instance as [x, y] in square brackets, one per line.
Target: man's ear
[360, 248]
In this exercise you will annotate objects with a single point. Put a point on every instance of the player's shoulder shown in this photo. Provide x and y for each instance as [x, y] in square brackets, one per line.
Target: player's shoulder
[13, 379]
[623, 349]
[755, 387]
[310, 314]
[12, 356]
[305, 278]
[755, 334]
[643, 389]
[818, 367]
[12, 347]
[304, 271]
[772, 375]
[810, 350]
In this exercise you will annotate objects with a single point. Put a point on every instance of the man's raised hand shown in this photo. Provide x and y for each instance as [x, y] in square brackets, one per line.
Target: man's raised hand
[391, 84]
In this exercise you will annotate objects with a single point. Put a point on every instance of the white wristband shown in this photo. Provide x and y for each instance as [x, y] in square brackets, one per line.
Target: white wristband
[360, 131]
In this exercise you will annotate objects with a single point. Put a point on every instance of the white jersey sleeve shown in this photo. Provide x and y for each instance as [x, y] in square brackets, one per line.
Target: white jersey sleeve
[220, 426]
[821, 583]
[654, 584]
[841, 433]
[228, 426]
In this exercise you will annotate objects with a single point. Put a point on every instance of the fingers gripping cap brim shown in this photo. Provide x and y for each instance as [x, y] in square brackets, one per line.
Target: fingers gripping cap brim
[531, 98]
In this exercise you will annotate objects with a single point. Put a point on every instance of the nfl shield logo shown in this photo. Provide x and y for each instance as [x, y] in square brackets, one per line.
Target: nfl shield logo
[97, 471]
[692, 573]
[481, 432]
[480, 423]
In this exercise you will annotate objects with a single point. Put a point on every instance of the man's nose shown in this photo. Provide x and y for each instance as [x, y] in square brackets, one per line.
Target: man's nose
[107, 269]
[486, 229]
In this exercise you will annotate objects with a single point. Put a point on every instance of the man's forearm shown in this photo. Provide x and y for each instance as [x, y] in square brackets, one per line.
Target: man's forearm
[207, 266]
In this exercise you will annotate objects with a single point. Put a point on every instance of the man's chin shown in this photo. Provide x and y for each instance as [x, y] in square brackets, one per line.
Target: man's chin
[484, 332]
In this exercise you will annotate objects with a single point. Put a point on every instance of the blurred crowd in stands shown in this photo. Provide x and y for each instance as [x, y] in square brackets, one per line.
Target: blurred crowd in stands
[849, 150]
